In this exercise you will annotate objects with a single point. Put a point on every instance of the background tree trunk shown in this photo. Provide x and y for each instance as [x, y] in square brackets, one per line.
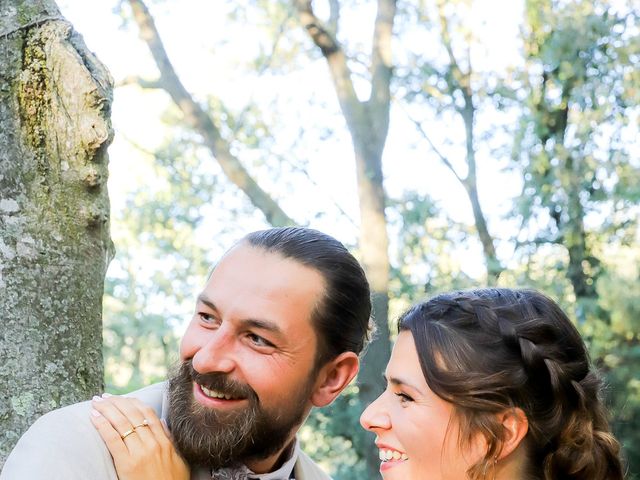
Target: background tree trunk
[55, 101]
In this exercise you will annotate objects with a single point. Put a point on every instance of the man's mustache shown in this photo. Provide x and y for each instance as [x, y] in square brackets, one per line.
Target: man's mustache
[220, 382]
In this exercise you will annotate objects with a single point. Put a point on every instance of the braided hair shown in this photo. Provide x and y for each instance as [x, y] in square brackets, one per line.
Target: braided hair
[489, 350]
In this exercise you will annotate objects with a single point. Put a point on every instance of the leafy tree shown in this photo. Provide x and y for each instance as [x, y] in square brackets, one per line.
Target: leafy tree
[574, 162]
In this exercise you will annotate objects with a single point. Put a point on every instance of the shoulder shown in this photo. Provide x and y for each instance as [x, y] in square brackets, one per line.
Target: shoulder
[307, 469]
[153, 395]
[63, 444]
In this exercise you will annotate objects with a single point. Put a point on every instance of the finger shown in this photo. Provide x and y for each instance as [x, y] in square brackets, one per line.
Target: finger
[110, 436]
[132, 411]
[165, 427]
[155, 424]
[118, 421]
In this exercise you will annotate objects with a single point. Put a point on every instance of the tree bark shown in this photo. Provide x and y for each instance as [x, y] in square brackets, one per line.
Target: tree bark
[55, 99]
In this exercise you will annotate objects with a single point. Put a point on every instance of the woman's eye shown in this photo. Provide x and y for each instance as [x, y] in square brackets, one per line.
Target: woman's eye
[404, 398]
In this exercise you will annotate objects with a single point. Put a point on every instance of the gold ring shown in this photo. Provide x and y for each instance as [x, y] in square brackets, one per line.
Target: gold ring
[145, 423]
[127, 433]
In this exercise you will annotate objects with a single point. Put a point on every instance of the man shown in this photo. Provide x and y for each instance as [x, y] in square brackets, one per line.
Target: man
[276, 330]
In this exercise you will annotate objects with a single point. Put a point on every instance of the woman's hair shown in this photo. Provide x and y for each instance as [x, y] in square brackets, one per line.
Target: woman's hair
[489, 350]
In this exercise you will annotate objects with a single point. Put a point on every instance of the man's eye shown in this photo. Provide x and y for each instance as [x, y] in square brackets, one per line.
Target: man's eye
[404, 398]
[205, 317]
[258, 340]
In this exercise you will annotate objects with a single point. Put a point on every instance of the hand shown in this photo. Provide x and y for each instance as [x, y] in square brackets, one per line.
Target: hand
[144, 454]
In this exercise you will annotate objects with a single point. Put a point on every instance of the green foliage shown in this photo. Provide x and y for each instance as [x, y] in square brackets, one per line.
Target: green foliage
[574, 162]
[425, 262]
[333, 435]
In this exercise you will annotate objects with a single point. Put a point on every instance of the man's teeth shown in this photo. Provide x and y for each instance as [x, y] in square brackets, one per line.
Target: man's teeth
[386, 455]
[215, 394]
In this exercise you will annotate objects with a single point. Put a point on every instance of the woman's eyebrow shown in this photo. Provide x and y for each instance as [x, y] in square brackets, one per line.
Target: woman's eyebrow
[397, 381]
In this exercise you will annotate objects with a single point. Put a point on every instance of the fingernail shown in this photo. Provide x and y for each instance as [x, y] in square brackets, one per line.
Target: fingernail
[96, 398]
[95, 413]
[106, 395]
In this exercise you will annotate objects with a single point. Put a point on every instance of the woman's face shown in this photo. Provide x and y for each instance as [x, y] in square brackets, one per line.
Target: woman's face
[415, 433]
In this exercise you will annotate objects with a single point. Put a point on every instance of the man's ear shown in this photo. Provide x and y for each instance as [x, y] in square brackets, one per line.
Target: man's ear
[516, 426]
[333, 377]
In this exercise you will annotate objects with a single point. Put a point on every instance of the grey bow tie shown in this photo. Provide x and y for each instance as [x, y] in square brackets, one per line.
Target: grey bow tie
[241, 473]
[238, 473]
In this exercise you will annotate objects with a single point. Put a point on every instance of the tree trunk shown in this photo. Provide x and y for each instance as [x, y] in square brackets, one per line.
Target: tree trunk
[575, 240]
[374, 245]
[54, 210]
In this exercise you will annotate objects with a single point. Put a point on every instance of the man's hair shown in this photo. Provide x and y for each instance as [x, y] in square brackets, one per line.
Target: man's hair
[489, 350]
[342, 319]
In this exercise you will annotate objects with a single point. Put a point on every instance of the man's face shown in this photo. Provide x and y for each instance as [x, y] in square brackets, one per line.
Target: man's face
[248, 360]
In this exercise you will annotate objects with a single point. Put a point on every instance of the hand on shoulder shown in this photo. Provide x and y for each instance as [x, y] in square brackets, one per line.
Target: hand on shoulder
[137, 440]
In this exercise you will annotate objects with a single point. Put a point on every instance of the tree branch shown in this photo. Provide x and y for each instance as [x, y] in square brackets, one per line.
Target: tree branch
[381, 58]
[381, 67]
[461, 79]
[353, 111]
[334, 16]
[200, 121]
[141, 82]
[443, 159]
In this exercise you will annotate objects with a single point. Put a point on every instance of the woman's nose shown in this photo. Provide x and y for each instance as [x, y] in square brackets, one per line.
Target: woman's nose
[375, 416]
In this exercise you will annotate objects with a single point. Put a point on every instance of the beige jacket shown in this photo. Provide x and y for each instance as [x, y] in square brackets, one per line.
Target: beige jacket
[64, 445]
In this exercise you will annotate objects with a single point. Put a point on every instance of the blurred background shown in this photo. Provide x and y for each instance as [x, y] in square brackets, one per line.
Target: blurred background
[501, 148]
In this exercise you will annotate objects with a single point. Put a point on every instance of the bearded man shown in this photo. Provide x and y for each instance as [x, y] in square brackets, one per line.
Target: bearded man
[276, 331]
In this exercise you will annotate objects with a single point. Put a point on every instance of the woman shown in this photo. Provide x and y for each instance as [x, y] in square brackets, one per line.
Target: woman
[484, 384]
[492, 384]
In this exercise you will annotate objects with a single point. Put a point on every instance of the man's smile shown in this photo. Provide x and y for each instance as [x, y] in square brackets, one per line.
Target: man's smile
[217, 394]
[214, 398]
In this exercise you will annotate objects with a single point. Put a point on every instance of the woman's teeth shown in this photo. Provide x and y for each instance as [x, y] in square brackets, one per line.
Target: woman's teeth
[386, 455]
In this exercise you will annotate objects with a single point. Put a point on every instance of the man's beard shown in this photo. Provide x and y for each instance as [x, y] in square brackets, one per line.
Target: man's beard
[214, 439]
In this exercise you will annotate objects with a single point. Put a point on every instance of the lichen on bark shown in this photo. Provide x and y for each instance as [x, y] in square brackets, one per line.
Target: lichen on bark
[55, 102]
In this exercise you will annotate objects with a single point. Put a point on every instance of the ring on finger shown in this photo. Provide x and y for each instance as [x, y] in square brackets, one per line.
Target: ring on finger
[145, 423]
[128, 432]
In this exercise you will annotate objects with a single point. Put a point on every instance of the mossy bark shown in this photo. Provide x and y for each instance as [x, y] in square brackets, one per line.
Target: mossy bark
[54, 215]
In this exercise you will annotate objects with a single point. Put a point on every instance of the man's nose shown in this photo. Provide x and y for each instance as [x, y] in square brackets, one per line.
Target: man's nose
[217, 354]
